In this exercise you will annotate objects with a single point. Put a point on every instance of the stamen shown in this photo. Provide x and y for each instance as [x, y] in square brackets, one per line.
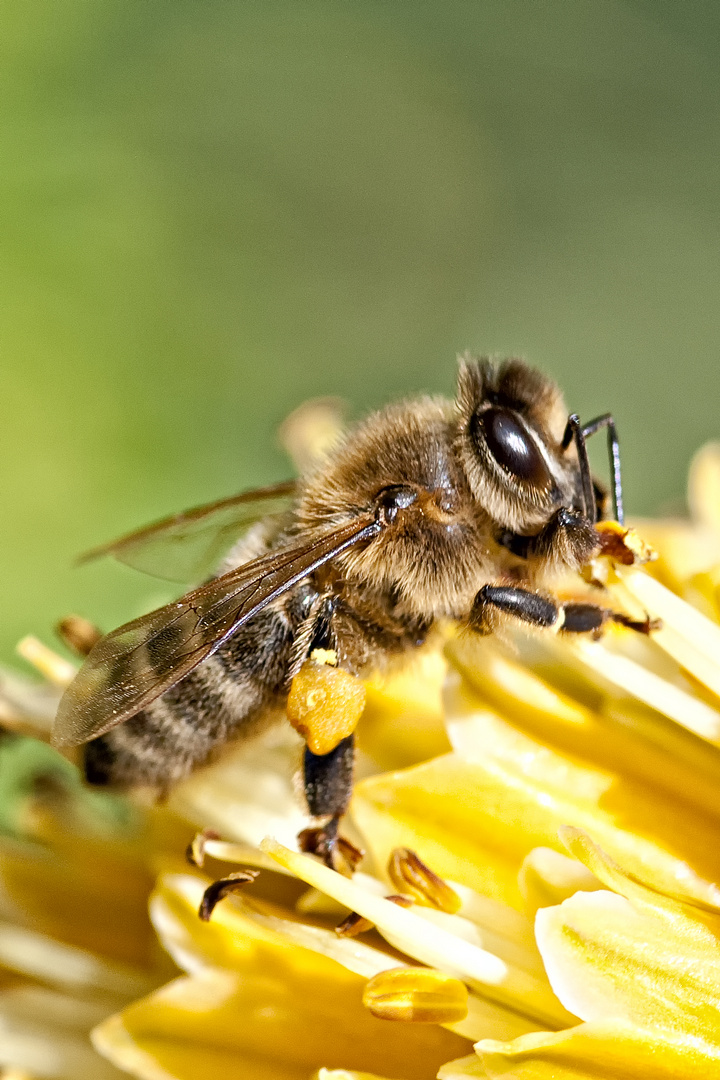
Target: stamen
[355, 924]
[79, 634]
[195, 851]
[55, 669]
[410, 874]
[222, 888]
[624, 546]
[430, 944]
[687, 635]
[207, 844]
[658, 693]
[416, 995]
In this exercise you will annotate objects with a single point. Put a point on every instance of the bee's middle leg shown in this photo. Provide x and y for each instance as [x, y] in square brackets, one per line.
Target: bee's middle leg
[544, 611]
[328, 782]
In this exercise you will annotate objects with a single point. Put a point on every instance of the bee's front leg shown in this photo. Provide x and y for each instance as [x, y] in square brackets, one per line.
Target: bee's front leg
[541, 610]
[328, 786]
[568, 538]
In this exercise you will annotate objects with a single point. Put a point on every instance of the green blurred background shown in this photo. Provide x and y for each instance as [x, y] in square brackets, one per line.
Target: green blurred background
[213, 210]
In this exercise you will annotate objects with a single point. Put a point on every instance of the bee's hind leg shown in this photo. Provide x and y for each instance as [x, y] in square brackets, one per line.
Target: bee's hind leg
[328, 787]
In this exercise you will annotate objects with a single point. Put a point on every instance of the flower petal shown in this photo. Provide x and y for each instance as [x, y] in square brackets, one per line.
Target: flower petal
[659, 693]
[249, 792]
[704, 486]
[46, 1033]
[591, 1052]
[277, 1022]
[88, 893]
[243, 934]
[403, 719]
[611, 731]
[609, 959]
[547, 878]
[345, 1074]
[490, 809]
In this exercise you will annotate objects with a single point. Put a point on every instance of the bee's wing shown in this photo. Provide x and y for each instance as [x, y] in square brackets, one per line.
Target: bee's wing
[188, 546]
[136, 663]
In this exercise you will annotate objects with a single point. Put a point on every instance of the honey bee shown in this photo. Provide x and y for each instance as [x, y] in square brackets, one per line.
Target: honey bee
[428, 510]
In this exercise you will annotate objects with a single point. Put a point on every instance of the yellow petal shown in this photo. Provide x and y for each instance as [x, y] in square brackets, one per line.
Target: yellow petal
[686, 633]
[668, 698]
[47, 1034]
[45, 959]
[684, 549]
[615, 877]
[246, 933]
[240, 935]
[547, 878]
[87, 893]
[704, 486]
[512, 795]
[345, 1074]
[403, 719]
[609, 959]
[620, 734]
[270, 1023]
[590, 1052]
[249, 792]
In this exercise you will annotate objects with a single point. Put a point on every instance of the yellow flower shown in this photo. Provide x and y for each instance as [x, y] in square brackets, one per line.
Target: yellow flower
[76, 943]
[542, 868]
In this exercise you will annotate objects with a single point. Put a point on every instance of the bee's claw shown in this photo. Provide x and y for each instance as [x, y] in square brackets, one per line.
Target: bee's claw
[335, 851]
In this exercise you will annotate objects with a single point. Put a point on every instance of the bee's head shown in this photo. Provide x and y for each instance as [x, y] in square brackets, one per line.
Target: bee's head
[510, 425]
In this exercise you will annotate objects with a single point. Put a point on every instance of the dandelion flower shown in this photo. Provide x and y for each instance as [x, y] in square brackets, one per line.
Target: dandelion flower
[540, 894]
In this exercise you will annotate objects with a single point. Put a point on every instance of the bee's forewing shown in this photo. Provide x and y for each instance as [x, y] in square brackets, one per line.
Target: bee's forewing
[188, 546]
[139, 661]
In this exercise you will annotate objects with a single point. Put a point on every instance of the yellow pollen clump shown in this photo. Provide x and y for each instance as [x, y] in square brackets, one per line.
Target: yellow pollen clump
[324, 705]
[417, 995]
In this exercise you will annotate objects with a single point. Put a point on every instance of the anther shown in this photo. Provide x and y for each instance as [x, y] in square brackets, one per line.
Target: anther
[356, 924]
[410, 875]
[416, 995]
[79, 634]
[353, 925]
[222, 888]
[195, 851]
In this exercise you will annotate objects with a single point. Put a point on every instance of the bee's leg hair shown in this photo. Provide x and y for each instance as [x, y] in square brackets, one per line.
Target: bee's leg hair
[328, 787]
[569, 537]
[544, 611]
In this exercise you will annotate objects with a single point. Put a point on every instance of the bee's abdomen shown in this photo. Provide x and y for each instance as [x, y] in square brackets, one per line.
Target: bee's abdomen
[224, 698]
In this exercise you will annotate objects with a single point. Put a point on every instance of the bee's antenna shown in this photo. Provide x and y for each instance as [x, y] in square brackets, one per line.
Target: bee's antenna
[607, 421]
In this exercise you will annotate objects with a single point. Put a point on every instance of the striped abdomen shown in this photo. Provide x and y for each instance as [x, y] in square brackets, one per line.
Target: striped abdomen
[224, 698]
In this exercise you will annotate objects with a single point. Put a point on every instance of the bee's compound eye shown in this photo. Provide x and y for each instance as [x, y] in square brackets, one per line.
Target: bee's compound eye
[512, 446]
[391, 499]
